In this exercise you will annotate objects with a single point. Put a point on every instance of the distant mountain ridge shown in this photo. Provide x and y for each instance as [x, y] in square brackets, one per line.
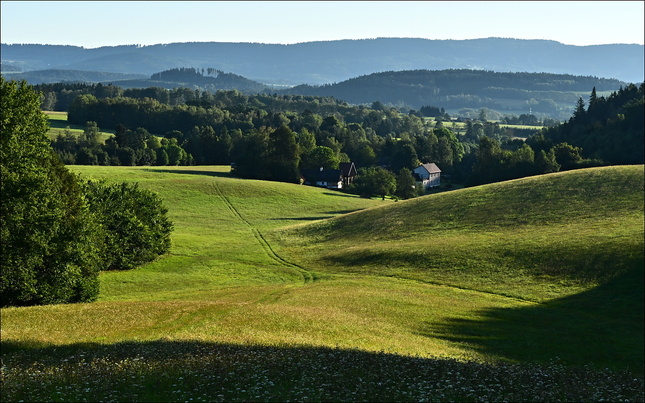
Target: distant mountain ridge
[318, 63]
[62, 75]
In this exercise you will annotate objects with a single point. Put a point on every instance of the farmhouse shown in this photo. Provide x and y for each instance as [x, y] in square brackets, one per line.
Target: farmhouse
[328, 178]
[427, 175]
[348, 170]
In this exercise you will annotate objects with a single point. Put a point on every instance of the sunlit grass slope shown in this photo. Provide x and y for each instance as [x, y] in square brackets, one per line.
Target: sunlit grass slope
[572, 242]
[353, 281]
[217, 241]
[222, 282]
[535, 238]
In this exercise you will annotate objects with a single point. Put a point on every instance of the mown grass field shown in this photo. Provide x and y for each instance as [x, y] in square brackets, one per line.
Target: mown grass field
[58, 124]
[522, 290]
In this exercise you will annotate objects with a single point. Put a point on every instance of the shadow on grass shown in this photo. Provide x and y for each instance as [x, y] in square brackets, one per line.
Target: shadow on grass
[202, 371]
[300, 218]
[63, 124]
[339, 193]
[339, 212]
[601, 327]
[191, 172]
[330, 215]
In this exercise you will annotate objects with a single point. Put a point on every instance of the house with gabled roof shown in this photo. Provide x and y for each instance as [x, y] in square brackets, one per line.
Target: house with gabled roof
[427, 175]
[348, 170]
[328, 178]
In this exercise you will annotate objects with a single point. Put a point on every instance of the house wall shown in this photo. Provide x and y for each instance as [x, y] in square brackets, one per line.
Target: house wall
[330, 185]
[422, 172]
[429, 180]
[434, 180]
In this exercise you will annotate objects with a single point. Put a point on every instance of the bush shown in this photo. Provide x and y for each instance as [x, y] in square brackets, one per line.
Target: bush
[136, 229]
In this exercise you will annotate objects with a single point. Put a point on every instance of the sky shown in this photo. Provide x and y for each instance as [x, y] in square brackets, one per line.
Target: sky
[93, 24]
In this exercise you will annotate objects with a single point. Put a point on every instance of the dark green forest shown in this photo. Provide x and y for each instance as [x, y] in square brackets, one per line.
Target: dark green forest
[461, 92]
[609, 129]
[228, 127]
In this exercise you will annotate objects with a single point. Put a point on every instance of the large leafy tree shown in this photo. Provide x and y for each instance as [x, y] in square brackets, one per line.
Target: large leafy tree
[251, 155]
[404, 157]
[320, 156]
[405, 184]
[135, 227]
[490, 163]
[283, 157]
[48, 235]
[375, 181]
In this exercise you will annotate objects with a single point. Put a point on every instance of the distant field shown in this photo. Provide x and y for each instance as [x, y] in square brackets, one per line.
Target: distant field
[58, 124]
[460, 127]
[273, 291]
[522, 127]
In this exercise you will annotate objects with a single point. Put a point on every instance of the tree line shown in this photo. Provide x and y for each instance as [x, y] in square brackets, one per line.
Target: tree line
[230, 127]
[609, 128]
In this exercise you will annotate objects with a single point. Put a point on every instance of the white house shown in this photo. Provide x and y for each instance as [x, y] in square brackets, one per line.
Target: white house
[428, 175]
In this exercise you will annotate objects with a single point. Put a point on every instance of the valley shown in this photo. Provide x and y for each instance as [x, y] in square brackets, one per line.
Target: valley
[267, 278]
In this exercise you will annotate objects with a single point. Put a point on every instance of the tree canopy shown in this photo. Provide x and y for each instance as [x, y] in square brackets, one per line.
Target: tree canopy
[49, 236]
[58, 232]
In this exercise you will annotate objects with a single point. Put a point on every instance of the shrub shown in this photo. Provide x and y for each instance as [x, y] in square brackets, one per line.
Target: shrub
[136, 228]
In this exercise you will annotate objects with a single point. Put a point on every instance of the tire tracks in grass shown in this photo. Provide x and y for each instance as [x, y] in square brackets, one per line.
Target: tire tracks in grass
[307, 277]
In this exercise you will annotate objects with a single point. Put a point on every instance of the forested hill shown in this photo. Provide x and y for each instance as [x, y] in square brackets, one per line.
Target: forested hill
[512, 93]
[611, 128]
[209, 79]
[334, 61]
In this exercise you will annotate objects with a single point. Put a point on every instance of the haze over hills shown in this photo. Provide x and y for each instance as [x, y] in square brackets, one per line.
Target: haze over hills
[317, 63]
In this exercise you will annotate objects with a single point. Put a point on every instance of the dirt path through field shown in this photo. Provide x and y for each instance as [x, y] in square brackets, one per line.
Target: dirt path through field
[306, 275]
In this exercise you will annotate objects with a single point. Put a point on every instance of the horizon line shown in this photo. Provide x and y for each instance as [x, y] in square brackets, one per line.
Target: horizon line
[314, 41]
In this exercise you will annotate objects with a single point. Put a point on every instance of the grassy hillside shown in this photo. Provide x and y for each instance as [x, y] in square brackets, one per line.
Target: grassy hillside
[534, 238]
[218, 219]
[242, 309]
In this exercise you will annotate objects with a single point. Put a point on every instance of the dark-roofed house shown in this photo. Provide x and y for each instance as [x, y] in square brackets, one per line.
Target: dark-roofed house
[427, 175]
[329, 178]
[348, 170]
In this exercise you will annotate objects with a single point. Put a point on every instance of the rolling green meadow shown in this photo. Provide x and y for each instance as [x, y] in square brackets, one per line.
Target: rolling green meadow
[526, 290]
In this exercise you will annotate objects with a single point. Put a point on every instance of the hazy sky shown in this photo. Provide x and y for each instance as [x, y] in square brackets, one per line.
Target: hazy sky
[100, 23]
